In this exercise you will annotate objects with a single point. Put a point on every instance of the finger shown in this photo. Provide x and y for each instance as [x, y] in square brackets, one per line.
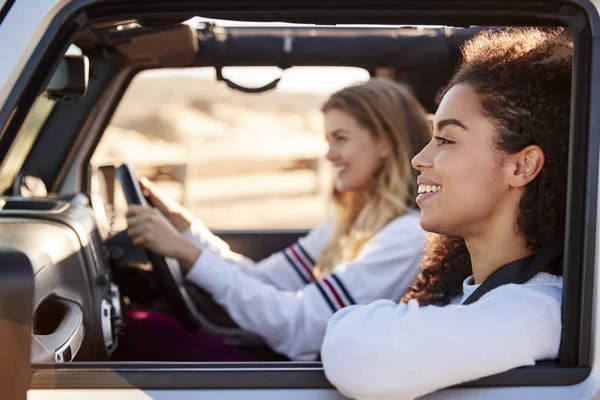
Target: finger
[138, 220]
[135, 209]
[147, 186]
[139, 240]
[137, 230]
[156, 197]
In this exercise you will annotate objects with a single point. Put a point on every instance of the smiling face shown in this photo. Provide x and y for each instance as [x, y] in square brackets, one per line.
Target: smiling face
[354, 152]
[462, 186]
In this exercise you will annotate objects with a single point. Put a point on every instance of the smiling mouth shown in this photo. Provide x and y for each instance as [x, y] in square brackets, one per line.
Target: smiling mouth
[429, 188]
[427, 191]
[340, 170]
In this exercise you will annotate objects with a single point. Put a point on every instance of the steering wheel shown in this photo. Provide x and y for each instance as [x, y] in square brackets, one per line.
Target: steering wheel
[167, 269]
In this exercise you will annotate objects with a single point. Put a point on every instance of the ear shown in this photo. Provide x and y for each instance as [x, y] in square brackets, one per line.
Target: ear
[525, 165]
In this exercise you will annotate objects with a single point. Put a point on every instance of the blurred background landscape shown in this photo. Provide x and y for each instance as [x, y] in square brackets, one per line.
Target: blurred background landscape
[237, 160]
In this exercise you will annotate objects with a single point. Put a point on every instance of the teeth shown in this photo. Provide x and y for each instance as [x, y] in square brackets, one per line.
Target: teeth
[429, 188]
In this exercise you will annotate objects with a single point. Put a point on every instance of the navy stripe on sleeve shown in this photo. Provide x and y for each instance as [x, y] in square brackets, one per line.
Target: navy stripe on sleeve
[289, 260]
[318, 284]
[341, 285]
[308, 257]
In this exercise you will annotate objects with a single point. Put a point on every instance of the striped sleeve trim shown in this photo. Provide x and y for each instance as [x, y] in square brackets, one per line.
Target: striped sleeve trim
[343, 288]
[329, 303]
[303, 265]
[305, 254]
[335, 293]
[295, 268]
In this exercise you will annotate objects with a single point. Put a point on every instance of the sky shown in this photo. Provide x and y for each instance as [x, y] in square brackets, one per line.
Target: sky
[318, 80]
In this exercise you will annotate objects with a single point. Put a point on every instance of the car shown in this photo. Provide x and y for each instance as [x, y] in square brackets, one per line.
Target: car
[67, 273]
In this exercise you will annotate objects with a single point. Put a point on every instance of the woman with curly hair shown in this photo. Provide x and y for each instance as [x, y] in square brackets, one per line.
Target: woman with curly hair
[492, 187]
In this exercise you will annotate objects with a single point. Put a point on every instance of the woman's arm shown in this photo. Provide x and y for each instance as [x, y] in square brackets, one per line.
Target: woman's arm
[289, 269]
[402, 351]
[293, 322]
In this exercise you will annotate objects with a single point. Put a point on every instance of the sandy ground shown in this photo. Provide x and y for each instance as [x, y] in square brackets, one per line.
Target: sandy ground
[199, 122]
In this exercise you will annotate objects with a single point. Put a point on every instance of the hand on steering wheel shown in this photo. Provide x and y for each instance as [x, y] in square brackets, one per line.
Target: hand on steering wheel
[167, 269]
[177, 215]
[148, 227]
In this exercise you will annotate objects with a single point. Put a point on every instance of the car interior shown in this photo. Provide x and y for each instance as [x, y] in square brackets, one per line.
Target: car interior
[87, 269]
[87, 272]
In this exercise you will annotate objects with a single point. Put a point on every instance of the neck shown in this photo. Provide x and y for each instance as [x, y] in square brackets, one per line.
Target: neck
[358, 199]
[496, 243]
[488, 255]
[364, 193]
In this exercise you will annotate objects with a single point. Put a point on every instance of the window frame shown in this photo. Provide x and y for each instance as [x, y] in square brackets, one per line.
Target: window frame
[575, 355]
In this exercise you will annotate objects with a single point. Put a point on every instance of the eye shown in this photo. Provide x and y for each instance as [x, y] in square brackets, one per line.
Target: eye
[441, 141]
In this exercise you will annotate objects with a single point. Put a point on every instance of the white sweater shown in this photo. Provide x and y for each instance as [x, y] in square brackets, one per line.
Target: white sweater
[279, 299]
[387, 350]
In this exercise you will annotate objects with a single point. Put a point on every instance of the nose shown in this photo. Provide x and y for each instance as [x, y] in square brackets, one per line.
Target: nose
[332, 153]
[424, 159]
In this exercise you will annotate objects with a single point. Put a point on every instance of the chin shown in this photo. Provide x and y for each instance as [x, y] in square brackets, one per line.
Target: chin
[340, 188]
[438, 227]
[431, 224]
[343, 187]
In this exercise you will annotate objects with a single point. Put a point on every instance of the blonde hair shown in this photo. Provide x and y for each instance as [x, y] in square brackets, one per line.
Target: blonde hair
[393, 115]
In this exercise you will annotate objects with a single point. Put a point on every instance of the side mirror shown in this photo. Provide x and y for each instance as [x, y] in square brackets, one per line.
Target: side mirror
[70, 80]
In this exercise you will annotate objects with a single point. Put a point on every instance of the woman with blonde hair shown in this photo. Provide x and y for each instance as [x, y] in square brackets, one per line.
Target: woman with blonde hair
[369, 250]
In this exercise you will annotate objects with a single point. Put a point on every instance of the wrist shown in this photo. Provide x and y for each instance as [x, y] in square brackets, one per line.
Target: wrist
[181, 219]
[187, 255]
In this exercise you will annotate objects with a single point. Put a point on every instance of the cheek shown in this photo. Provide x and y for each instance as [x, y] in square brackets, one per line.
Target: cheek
[470, 179]
[471, 193]
[359, 154]
[363, 162]
[368, 160]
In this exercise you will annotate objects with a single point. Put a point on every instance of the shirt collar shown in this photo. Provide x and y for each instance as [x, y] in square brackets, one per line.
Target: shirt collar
[543, 278]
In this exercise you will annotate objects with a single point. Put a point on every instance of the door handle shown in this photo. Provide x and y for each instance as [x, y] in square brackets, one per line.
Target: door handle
[64, 342]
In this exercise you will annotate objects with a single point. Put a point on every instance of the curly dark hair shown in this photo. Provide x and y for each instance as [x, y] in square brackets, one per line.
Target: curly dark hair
[523, 78]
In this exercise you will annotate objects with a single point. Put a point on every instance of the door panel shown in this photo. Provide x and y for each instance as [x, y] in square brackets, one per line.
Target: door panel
[258, 245]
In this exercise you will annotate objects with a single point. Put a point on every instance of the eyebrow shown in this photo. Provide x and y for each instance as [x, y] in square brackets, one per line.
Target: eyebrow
[451, 121]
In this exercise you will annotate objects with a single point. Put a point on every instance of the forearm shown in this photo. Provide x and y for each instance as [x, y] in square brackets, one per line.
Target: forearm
[291, 323]
[187, 254]
[181, 219]
[364, 358]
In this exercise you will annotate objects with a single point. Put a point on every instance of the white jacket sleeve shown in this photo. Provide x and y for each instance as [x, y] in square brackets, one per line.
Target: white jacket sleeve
[203, 238]
[289, 269]
[293, 322]
[402, 351]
